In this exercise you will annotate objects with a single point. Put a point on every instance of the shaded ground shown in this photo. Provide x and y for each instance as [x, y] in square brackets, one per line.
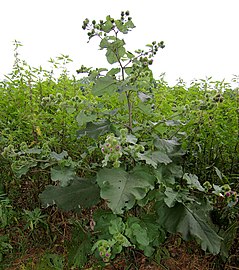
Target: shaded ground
[174, 255]
[181, 258]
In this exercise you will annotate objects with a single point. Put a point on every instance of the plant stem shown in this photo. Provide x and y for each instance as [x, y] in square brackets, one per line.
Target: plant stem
[128, 96]
[130, 109]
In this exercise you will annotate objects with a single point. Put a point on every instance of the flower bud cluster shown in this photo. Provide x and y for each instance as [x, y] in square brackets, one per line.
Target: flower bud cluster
[95, 28]
[104, 250]
[134, 150]
[75, 99]
[153, 49]
[207, 186]
[112, 151]
[225, 192]
[51, 100]
[218, 98]
[226, 188]
[141, 63]
[125, 16]
[115, 147]
[145, 61]
[83, 69]
[231, 198]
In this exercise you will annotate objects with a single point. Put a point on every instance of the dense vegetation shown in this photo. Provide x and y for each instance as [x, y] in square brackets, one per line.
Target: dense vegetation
[101, 170]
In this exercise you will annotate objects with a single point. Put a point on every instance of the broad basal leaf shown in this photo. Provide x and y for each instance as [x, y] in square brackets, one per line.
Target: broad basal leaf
[144, 233]
[140, 234]
[121, 189]
[63, 174]
[161, 157]
[171, 147]
[184, 220]
[81, 193]
[96, 129]
[136, 232]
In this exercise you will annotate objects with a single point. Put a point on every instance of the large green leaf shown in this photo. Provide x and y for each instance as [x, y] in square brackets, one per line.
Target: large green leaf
[115, 51]
[81, 193]
[107, 27]
[167, 174]
[172, 196]
[116, 226]
[144, 233]
[189, 223]
[83, 118]
[63, 174]
[104, 43]
[105, 85]
[124, 27]
[192, 181]
[103, 220]
[96, 129]
[171, 147]
[129, 24]
[113, 72]
[140, 234]
[168, 146]
[121, 189]
[154, 158]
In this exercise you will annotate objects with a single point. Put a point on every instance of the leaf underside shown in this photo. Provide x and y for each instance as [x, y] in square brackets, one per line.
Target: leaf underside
[184, 220]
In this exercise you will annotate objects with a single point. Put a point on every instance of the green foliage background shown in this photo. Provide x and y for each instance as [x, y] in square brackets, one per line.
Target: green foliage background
[174, 161]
